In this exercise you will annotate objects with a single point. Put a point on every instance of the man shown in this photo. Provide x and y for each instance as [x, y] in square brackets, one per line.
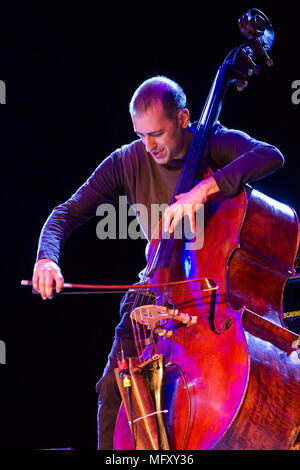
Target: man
[146, 171]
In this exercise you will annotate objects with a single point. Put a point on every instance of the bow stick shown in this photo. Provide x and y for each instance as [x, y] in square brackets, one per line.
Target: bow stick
[208, 283]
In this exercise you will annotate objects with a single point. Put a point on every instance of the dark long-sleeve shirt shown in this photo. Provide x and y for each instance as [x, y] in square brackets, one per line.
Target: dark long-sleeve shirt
[234, 157]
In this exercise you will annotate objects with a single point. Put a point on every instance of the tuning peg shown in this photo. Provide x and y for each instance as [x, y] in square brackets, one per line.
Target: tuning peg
[247, 52]
[240, 85]
[262, 44]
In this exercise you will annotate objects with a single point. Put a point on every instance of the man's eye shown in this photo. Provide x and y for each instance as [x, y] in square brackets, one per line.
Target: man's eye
[158, 134]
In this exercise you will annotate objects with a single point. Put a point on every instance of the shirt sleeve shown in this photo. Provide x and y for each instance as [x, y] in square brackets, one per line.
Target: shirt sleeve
[238, 159]
[105, 185]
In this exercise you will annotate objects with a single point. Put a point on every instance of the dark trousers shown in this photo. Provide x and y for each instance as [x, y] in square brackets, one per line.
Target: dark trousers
[109, 399]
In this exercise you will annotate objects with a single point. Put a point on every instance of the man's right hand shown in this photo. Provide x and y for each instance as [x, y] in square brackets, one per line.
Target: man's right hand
[46, 271]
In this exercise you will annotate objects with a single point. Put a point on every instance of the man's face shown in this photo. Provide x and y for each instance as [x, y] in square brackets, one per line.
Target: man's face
[164, 138]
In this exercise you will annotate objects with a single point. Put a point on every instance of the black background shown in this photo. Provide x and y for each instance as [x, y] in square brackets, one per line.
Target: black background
[70, 72]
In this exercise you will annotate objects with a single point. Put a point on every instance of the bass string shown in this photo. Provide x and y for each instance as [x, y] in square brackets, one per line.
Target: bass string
[161, 244]
[187, 175]
[197, 149]
[184, 179]
[139, 340]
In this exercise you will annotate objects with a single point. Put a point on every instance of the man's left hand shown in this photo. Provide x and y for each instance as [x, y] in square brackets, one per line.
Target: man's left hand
[188, 204]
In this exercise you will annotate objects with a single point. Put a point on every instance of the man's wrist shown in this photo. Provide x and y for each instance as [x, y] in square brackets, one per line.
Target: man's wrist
[208, 186]
[212, 186]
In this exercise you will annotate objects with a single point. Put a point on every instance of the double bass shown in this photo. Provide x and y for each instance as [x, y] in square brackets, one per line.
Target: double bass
[215, 367]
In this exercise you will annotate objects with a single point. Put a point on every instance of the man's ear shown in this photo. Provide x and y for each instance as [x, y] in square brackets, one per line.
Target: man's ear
[183, 118]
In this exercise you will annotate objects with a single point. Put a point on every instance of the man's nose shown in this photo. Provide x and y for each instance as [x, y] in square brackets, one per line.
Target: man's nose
[149, 143]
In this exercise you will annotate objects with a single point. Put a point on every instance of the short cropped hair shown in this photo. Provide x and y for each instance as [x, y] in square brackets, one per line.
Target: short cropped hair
[158, 88]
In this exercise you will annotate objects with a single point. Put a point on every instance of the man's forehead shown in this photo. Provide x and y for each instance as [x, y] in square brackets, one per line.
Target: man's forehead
[155, 108]
[150, 120]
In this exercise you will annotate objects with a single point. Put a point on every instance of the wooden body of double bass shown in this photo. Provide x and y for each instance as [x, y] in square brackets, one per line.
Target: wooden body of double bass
[242, 376]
